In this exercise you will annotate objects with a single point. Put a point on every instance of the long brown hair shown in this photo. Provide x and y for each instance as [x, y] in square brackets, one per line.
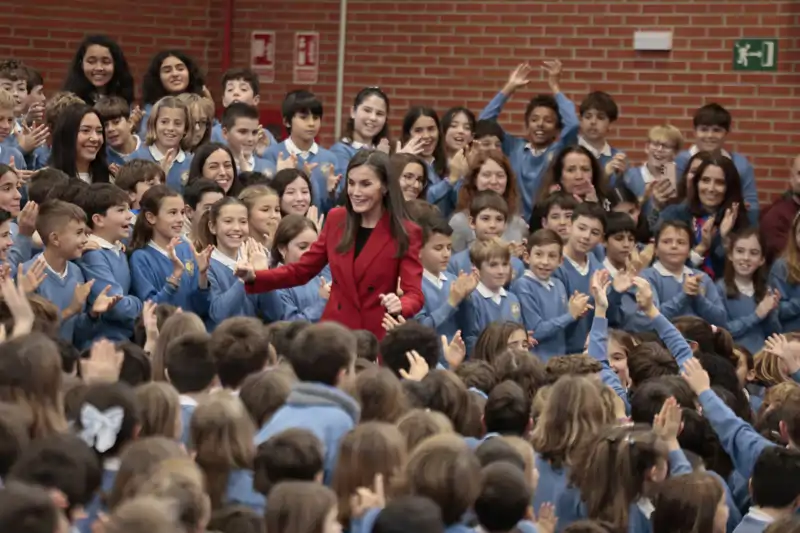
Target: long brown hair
[173, 327]
[299, 507]
[792, 254]
[553, 175]
[150, 203]
[687, 504]
[205, 237]
[393, 202]
[469, 188]
[400, 161]
[733, 191]
[159, 410]
[289, 227]
[759, 276]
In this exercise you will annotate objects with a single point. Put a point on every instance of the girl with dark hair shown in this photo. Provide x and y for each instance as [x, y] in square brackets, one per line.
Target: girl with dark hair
[367, 127]
[79, 145]
[369, 243]
[215, 162]
[99, 68]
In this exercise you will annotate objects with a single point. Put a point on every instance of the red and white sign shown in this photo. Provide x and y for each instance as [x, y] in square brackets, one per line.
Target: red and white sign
[306, 57]
[262, 55]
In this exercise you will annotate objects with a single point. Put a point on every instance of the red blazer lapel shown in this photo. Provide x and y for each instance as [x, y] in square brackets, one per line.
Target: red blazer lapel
[343, 260]
[380, 237]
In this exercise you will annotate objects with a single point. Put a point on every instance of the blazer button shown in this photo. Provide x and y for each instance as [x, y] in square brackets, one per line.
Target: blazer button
[339, 307]
[370, 288]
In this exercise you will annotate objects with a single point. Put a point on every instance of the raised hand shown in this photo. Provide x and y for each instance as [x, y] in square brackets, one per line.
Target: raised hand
[383, 146]
[262, 141]
[79, 297]
[285, 162]
[136, 118]
[332, 179]
[26, 220]
[150, 320]
[554, 70]
[169, 159]
[617, 165]
[244, 162]
[458, 166]
[365, 498]
[578, 305]
[308, 168]
[35, 114]
[454, 351]
[29, 281]
[644, 296]
[786, 350]
[324, 289]
[256, 255]
[518, 78]
[601, 281]
[177, 264]
[413, 146]
[104, 363]
[706, 236]
[667, 423]
[691, 285]
[32, 137]
[392, 303]
[203, 259]
[417, 367]
[313, 215]
[19, 306]
[728, 220]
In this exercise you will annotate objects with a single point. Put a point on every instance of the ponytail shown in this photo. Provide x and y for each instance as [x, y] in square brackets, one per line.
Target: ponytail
[150, 203]
[204, 236]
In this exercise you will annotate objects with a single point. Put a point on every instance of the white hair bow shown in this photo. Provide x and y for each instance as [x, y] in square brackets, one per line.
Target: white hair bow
[100, 428]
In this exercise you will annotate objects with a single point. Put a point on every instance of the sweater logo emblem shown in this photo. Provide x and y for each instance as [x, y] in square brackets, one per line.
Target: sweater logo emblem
[184, 177]
[515, 311]
[189, 266]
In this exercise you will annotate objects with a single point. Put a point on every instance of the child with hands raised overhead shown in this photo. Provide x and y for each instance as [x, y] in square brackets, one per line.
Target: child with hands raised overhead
[165, 268]
[550, 123]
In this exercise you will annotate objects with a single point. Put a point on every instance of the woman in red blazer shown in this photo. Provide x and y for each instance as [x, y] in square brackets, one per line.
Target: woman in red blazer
[368, 244]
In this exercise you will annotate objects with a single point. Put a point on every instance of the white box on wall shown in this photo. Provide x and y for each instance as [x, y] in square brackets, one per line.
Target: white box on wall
[658, 41]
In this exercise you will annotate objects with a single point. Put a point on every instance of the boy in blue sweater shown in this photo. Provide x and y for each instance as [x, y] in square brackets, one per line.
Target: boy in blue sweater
[109, 217]
[597, 112]
[62, 227]
[546, 309]
[241, 85]
[240, 129]
[489, 302]
[136, 177]
[323, 358]
[663, 144]
[115, 113]
[774, 489]
[550, 122]
[443, 291]
[488, 215]
[302, 116]
[712, 123]
[579, 265]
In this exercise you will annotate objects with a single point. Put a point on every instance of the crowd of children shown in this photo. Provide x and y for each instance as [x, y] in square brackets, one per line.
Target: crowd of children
[607, 343]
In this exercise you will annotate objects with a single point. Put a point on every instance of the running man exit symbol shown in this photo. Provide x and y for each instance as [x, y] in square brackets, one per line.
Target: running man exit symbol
[755, 54]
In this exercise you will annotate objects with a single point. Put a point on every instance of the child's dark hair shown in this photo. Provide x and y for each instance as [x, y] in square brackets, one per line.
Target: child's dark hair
[288, 229]
[291, 455]
[712, 114]
[380, 394]
[14, 435]
[152, 88]
[193, 192]
[488, 200]
[591, 210]
[619, 223]
[236, 519]
[43, 181]
[448, 395]
[488, 128]
[601, 102]
[504, 498]
[70, 356]
[62, 462]
[263, 393]
[199, 160]
[136, 368]
[150, 203]
[478, 375]
[367, 345]
[121, 83]
[760, 274]
[235, 111]
[775, 482]
[283, 178]
[678, 225]
[112, 108]
[238, 346]
[493, 450]
[299, 102]
[545, 237]
[251, 177]
[434, 224]
[409, 513]
[321, 352]
[407, 337]
[34, 78]
[542, 209]
[544, 100]
[452, 113]
[650, 360]
[508, 410]
[362, 95]
[205, 237]
[28, 508]
[54, 215]
[65, 148]
[410, 118]
[244, 74]
[104, 397]
[190, 366]
[100, 199]
[69, 191]
[138, 171]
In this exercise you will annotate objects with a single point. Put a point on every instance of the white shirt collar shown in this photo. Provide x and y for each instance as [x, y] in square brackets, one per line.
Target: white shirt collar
[61, 275]
[159, 249]
[357, 145]
[694, 149]
[294, 150]
[608, 266]
[138, 144]
[187, 401]
[536, 151]
[112, 464]
[583, 270]
[85, 177]
[438, 281]
[746, 288]
[606, 150]
[224, 259]
[760, 515]
[647, 176]
[158, 156]
[105, 245]
[546, 283]
[661, 269]
[489, 294]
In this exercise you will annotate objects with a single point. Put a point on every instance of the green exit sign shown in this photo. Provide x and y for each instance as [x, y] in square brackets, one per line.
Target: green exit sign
[755, 54]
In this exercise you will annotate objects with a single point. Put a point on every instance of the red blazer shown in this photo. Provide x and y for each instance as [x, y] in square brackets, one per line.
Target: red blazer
[356, 284]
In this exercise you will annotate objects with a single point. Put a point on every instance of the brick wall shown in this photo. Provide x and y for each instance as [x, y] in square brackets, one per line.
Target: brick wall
[451, 52]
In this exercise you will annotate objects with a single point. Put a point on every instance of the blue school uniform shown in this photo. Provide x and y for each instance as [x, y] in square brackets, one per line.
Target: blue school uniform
[345, 149]
[319, 179]
[8, 152]
[789, 309]
[552, 482]
[744, 325]
[460, 262]
[108, 266]
[436, 312]
[178, 172]
[188, 405]
[441, 192]
[304, 302]
[329, 413]
[545, 311]
[529, 165]
[755, 521]
[21, 251]
[578, 278]
[746, 176]
[59, 289]
[603, 156]
[714, 261]
[217, 137]
[670, 299]
[116, 158]
[38, 158]
[240, 492]
[150, 268]
[146, 110]
[636, 180]
[481, 308]
[96, 506]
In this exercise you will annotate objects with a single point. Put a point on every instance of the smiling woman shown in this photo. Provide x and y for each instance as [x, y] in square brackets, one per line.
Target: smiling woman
[99, 68]
[79, 145]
